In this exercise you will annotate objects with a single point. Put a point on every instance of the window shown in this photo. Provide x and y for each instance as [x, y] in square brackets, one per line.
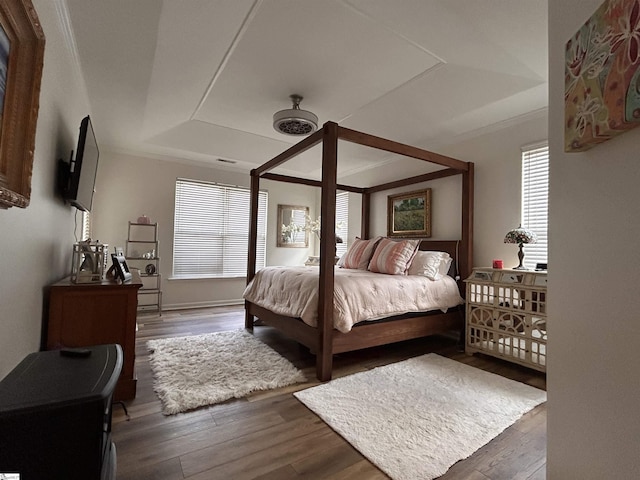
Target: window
[85, 225]
[211, 230]
[342, 219]
[535, 201]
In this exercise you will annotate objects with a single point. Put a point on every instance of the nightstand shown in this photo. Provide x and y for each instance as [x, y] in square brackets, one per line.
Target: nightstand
[507, 315]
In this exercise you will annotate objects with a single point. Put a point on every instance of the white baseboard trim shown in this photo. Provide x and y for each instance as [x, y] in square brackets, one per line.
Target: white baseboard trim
[212, 303]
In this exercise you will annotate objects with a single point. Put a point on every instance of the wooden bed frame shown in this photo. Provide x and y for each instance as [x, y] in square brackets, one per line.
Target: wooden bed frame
[324, 340]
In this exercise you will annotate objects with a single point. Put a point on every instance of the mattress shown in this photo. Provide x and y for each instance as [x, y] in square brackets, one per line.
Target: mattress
[359, 295]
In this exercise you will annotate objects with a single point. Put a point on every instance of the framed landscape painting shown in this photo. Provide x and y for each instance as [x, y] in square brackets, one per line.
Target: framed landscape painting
[21, 61]
[409, 214]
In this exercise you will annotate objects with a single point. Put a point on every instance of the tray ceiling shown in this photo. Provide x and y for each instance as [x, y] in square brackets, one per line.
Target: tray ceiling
[199, 80]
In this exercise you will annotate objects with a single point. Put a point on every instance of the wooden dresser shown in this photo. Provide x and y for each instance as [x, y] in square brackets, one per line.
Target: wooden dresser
[86, 314]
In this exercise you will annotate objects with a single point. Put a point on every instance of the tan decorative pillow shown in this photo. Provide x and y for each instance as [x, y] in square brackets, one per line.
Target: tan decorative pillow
[359, 253]
[393, 257]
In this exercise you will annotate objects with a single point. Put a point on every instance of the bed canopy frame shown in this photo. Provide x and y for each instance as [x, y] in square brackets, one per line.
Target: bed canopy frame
[324, 340]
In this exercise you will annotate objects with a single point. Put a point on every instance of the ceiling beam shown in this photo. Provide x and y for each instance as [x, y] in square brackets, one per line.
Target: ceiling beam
[412, 180]
[400, 148]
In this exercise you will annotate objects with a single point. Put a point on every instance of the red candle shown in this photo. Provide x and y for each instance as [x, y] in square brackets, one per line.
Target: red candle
[497, 264]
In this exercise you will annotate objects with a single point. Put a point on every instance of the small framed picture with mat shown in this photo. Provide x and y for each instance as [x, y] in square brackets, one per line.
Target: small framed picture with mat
[120, 267]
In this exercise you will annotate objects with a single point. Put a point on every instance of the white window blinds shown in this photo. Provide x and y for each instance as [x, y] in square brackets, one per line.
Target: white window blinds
[86, 225]
[211, 230]
[535, 201]
[342, 221]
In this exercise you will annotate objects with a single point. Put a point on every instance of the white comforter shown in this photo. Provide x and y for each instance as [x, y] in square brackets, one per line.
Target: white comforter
[359, 294]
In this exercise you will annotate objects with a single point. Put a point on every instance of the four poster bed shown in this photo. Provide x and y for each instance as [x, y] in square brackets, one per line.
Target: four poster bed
[321, 337]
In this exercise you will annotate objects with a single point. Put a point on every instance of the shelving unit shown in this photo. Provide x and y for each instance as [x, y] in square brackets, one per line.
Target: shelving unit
[142, 254]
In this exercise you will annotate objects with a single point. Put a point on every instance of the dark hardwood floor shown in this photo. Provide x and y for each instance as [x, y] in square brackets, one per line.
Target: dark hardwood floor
[271, 435]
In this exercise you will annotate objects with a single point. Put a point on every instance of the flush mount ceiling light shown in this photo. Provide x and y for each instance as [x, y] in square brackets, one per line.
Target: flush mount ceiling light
[294, 121]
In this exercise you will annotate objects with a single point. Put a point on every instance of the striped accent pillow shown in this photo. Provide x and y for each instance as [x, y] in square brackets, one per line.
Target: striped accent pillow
[359, 254]
[393, 257]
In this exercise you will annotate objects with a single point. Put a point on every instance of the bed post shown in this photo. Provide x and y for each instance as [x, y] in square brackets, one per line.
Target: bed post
[467, 221]
[366, 216]
[253, 241]
[324, 354]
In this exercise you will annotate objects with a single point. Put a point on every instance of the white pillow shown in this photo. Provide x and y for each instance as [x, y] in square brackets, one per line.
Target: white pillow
[445, 265]
[433, 265]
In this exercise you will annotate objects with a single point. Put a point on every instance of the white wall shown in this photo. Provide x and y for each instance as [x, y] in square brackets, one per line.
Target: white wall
[130, 186]
[446, 201]
[288, 194]
[594, 333]
[497, 155]
[36, 242]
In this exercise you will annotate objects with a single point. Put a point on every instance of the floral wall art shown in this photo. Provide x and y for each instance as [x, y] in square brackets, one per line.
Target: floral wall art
[602, 78]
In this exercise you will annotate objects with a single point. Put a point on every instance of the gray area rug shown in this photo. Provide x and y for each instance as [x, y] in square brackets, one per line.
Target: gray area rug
[415, 419]
[198, 370]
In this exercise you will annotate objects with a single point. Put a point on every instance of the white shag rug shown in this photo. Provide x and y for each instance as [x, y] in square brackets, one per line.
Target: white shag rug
[198, 370]
[415, 419]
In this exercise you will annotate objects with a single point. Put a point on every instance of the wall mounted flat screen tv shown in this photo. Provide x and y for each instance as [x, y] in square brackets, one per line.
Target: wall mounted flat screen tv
[83, 169]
